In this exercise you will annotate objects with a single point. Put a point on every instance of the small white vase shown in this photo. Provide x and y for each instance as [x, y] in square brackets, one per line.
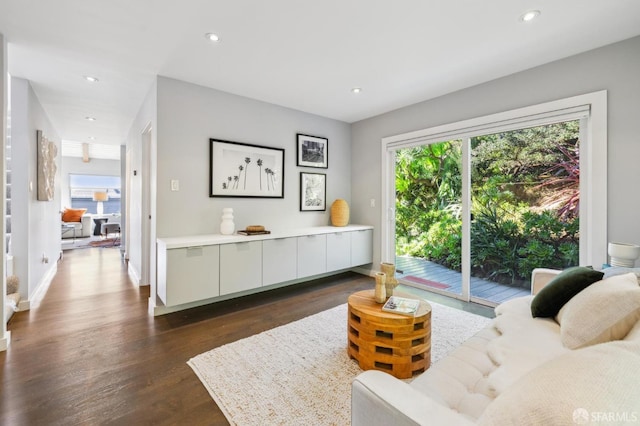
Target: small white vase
[227, 226]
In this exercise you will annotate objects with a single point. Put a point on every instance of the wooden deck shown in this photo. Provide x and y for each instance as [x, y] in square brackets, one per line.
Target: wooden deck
[429, 275]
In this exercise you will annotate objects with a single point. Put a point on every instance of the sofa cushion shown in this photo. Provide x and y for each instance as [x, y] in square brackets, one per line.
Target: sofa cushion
[604, 311]
[72, 215]
[459, 381]
[561, 289]
[520, 306]
[525, 343]
[619, 270]
[634, 334]
[562, 391]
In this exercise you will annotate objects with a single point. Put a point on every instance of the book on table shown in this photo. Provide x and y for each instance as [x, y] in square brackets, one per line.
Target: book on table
[401, 305]
[245, 232]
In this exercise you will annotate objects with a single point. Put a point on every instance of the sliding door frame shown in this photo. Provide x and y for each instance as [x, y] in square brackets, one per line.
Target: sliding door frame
[590, 109]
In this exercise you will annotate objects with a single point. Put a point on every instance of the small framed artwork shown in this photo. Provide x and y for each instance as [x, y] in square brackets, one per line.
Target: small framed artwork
[313, 151]
[313, 189]
[244, 170]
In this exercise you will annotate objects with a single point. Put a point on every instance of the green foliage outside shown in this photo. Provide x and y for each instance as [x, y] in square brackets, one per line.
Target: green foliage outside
[524, 209]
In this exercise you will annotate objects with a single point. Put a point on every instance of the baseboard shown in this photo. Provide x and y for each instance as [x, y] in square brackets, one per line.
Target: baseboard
[42, 288]
[133, 274]
[4, 342]
[24, 305]
[364, 271]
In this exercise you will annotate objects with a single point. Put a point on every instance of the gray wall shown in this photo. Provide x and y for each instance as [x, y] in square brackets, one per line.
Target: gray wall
[35, 225]
[615, 68]
[188, 115]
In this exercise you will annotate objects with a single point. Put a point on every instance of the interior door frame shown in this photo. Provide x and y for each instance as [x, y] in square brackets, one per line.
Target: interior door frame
[590, 109]
[145, 207]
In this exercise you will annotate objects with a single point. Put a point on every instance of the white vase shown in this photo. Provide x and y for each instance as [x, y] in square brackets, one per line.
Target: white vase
[227, 226]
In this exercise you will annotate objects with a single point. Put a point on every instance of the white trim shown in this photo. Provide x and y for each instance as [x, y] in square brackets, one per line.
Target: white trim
[5, 341]
[546, 113]
[590, 108]
[41, 290]
[466, 223]
[133, 274]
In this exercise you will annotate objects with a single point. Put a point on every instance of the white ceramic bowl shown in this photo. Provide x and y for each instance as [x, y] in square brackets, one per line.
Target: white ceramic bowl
[623, 254]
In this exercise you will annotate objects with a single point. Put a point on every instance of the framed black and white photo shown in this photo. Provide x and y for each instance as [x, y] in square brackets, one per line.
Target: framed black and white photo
[313, 151]
[244, 170]
[313, 189]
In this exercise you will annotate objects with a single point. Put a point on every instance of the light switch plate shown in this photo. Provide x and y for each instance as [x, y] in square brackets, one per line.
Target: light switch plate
[175, 185]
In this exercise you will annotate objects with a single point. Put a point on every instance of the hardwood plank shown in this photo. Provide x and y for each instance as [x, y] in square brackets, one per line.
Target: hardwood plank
[90, 354]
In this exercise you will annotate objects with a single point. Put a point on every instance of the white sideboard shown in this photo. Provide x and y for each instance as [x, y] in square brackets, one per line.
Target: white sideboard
[202, 269]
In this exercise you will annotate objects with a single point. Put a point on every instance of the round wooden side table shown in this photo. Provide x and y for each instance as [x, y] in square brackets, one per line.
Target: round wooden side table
[397, 344]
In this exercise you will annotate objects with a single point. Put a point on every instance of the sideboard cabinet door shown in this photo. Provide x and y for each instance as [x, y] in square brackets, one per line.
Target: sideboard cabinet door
[240, 267]
[338, 251]
[279, 260]
[361, 247]
[312, 255]
[191, 274]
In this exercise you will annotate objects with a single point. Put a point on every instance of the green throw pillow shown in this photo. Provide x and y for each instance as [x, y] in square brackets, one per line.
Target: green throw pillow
[561, 289]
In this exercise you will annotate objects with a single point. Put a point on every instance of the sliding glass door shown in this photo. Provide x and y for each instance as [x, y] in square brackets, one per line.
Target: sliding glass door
[474, 216]
[428, 219]
[525, 198]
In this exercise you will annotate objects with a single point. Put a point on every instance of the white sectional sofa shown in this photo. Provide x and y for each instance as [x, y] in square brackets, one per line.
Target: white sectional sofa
[581, 366]
[82, 228]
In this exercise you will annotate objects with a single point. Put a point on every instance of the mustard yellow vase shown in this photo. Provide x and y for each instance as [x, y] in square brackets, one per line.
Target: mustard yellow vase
[339, 213]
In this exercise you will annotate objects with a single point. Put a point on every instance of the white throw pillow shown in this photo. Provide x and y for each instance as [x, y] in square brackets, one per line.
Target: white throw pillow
[602, 312]
[520, 306]
[574, 388]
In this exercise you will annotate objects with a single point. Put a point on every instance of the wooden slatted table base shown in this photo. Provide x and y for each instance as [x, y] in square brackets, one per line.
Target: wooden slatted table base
[397, 344]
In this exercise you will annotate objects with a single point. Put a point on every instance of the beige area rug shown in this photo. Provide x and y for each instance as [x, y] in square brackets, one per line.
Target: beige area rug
[300, 373]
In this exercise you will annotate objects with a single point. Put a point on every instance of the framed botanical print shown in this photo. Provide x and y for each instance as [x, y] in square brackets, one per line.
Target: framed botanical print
[313, 189]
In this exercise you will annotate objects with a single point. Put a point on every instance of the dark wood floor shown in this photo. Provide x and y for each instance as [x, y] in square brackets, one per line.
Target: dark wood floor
[90, 354]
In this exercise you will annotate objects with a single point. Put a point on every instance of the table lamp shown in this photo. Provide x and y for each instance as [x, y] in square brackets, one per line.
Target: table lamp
[100, 196]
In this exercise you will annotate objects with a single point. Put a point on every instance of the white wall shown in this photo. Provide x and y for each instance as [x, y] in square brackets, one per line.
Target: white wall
[188, 115]
[96, 166]
[614, 68]
[3, 141]
[147, 116]
[35, 225]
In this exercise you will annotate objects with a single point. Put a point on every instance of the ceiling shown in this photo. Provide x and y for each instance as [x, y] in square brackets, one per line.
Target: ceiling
[305, 55]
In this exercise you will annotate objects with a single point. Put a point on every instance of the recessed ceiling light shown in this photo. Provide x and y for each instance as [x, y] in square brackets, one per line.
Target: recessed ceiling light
[91, 79]
[356, 90]
[91, 138]
[212, 37]
[90, 118]
[530, 15]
